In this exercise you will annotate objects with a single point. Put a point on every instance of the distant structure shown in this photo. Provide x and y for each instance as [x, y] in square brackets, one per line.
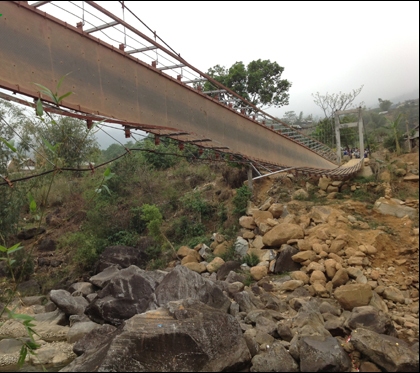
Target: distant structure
[413, 141]
[21, 165]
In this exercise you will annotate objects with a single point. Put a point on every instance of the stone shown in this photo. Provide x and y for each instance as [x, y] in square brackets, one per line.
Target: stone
[258, 272]
[394, 294]
[393, 206]
[123, 256]
[196, 267]
[276, 210]
[320, 354]
[304, 256]
[67, 303]
[193, 336]
[275, 358]
[80, 329]
[182, 283]
[282, 233]
[371, 318]
[353, 295]
[389, 353]
[215, 264]
[247, 222]
[284, 261]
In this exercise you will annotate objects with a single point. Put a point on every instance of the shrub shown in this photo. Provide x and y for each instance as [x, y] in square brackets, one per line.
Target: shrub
[251, 259]
[184, 228]
[229, 254]
[126, 238]
[194, 203]
[240, 201]
[86, 248]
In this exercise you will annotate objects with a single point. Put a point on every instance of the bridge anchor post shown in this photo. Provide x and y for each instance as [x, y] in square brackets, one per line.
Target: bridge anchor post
[250, 186]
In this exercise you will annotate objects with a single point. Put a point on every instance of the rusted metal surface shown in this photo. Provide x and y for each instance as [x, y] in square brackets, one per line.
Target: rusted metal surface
[38, 48]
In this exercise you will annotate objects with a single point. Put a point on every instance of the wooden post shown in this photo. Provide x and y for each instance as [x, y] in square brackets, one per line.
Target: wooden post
[408, 136]
[250, 186]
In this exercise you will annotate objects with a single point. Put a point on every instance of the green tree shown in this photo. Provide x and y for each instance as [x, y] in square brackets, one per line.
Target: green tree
[73, 143]
[384, 105]
[394, 125]
[12, 119]
[259, 83]
[289, 117]
[113, 151]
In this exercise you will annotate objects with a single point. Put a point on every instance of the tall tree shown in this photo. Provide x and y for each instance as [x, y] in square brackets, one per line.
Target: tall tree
[384, 104]
[12, 118]
[259, 83]
[330, 103]
[394, 125]
[73, 143]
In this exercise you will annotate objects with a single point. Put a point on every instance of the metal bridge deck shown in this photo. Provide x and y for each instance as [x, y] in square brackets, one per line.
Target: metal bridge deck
[108, 82]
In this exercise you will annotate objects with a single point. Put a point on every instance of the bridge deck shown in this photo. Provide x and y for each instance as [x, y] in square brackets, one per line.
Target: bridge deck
[38, 48]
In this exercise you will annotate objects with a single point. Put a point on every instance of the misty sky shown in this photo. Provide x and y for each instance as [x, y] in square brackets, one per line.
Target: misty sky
[323, 46]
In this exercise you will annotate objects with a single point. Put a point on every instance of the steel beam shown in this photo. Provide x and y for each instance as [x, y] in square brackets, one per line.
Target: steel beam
[101, 27]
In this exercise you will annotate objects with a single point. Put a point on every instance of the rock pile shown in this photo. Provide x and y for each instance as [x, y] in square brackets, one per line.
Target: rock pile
[312, 301]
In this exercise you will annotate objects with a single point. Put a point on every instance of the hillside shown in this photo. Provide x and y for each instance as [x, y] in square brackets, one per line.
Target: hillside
[201, 203]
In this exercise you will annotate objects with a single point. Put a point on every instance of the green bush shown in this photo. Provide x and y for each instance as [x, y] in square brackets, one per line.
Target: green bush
[251, 259]
[125, 238]
[194, 203]
[184, 228]
[240, 201]
[229, 254]
[12, 202]
[86, 248]
[222, 213]
[23, 265]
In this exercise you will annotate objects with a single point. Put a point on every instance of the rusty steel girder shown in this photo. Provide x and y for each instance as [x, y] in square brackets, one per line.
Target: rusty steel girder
[38, 48]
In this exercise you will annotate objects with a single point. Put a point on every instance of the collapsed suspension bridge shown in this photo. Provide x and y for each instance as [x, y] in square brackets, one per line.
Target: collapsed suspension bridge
[121, 75]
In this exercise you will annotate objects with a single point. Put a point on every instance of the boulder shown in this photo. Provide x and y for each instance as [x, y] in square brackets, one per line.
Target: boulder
[124, 256]
[190, 335]
[322, 354]
[389, 353]
[353, 295]
[282, 233]
[182, 283]
[127, 293]
[284, 261]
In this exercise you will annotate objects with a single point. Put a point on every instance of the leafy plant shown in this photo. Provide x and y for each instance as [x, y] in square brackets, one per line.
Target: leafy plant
[107, 176]
[86, 248]
[229, 254]
[396, 134]
[28, 346]
[9, 259]
[251, 259]
[240, 201]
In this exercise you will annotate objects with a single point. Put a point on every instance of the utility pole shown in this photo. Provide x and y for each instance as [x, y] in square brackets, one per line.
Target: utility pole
[408, 136]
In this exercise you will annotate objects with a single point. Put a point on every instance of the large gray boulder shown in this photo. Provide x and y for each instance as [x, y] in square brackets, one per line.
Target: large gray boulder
[322, 354]
[390, 353]
[67, 303]
[371, 318]
[274, 359]
[182, 283]
[284, 261]
[127, 293]
[186, 335]
[124, 256]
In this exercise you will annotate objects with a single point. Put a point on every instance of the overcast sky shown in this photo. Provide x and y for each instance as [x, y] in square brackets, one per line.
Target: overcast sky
[323, 46]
